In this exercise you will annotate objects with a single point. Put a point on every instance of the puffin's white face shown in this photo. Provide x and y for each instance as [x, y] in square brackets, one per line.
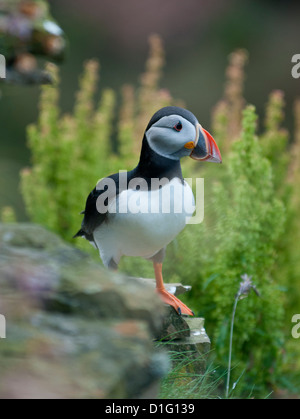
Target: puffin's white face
[172, 136]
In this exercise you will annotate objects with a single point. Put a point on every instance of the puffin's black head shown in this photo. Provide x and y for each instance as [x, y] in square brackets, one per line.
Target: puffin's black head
[175, 132]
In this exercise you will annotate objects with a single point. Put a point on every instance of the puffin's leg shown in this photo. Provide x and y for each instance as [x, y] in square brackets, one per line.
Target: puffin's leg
[165, 295]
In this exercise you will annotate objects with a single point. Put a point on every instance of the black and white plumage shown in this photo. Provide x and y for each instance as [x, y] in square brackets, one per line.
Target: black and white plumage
[117, 228]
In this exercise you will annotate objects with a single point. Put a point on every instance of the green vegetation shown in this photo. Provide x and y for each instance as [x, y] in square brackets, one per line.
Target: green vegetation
[183, 382]
[252, 207]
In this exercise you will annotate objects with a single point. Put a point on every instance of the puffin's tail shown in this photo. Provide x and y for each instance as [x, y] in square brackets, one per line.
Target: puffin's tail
[80, 233]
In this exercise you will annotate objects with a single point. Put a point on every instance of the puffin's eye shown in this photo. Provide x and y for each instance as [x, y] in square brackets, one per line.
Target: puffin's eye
[178, 126]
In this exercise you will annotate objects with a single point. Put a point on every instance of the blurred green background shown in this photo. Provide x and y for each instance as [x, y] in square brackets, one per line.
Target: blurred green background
[198, 36]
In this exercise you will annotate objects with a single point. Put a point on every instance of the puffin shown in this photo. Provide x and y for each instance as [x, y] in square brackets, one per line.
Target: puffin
[139, 212]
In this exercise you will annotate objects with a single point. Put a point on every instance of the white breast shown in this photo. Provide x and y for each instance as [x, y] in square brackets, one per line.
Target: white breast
[145, 221]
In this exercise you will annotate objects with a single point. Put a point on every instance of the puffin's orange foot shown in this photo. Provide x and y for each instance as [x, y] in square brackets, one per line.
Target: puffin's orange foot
[173, 301]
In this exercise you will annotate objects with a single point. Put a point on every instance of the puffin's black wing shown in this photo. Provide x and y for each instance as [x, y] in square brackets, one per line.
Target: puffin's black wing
[92, 217]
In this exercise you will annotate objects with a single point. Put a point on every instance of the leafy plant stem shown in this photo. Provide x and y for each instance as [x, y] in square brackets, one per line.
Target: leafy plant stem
[230, 344]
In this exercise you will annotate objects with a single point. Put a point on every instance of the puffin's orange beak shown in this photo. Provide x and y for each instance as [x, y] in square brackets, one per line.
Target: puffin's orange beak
[205, 147]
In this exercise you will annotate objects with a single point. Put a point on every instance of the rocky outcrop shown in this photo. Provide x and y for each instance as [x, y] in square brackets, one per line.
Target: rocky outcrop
[183, 336]
[194, 345]
[73, 330]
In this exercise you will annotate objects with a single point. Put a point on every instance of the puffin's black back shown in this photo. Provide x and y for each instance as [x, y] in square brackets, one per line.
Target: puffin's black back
[172, 110]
